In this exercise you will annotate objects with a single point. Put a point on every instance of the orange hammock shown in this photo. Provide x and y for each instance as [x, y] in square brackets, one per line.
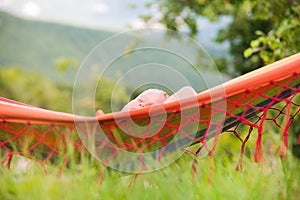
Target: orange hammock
[268, 94]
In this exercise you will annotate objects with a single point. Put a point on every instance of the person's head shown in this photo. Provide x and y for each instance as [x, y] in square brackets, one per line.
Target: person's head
[147, 98]
[151, 97]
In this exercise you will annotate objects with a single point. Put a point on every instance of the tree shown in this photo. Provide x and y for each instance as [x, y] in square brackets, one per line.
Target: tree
[34, 89]
[261, 31]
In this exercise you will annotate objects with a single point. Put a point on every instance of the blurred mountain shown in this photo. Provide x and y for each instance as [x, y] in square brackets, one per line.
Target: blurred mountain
[38, 46]
[42, 46]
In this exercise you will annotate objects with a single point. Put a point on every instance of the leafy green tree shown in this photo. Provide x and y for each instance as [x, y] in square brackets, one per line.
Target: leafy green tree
[63, 64]
[261, 31]
[34, 89]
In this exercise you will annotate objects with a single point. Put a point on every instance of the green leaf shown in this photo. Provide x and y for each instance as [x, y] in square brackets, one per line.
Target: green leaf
[254, 43]
[260, 33]
[248, 52]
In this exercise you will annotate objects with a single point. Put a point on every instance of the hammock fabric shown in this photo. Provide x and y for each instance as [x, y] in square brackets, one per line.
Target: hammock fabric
[267, 95]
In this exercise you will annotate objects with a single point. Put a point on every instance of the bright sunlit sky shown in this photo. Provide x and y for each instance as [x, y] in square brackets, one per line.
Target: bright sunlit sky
[115, 15]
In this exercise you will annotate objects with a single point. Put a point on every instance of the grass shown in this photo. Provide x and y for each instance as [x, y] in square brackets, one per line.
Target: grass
[216, 179]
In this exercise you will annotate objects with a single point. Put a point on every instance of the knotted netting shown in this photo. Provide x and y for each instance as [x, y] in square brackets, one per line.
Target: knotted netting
[130, 141]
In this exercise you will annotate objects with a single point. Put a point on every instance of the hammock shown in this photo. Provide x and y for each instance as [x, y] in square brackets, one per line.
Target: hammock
[130, 141]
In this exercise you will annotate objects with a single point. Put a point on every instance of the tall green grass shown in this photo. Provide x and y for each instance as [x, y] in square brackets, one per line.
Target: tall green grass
[216, 178]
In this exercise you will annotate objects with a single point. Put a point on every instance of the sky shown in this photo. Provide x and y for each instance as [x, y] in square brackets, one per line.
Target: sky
[114, 15]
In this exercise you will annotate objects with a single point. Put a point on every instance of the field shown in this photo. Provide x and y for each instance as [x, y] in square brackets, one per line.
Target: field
[214, 178]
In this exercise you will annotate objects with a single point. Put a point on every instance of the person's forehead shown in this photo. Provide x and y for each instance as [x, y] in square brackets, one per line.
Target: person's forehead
[155, 93]
[152, 92]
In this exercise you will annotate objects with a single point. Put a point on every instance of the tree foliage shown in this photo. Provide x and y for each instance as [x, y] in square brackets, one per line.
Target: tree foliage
[261, 31]
[63, 64]
[34, 89]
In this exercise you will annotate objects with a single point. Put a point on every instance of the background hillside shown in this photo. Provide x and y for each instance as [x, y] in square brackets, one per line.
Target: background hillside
[37, 46]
